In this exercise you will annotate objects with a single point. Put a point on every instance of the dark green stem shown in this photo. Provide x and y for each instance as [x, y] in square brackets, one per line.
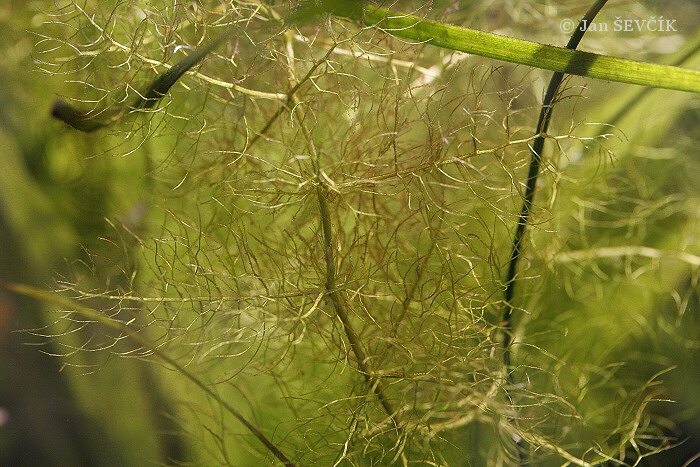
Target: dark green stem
[531, 184]
[530, 189]
[90, 121]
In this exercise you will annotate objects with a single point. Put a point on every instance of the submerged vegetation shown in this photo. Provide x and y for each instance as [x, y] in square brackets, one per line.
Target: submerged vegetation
[299, 250]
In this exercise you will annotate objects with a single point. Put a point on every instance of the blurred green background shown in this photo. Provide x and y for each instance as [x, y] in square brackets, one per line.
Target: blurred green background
[601, 297]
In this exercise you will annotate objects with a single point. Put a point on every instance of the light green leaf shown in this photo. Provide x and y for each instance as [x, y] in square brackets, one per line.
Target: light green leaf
[524, 52]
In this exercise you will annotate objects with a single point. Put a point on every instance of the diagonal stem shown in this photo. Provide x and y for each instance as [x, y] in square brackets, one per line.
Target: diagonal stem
[530, 189]
[372, 380]
[339, 307]
[532, 176]
[124, 328]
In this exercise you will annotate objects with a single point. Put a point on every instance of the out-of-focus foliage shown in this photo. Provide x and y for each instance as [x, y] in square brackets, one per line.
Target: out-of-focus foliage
[204, 223]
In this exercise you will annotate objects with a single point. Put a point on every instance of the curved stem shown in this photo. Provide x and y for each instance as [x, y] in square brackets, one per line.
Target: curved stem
[91, 121]
[533, 173]
[530, 189]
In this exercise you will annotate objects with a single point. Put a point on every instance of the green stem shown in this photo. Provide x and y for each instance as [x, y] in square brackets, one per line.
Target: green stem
[533, 174]
[90, 121]
[529, 196]
[91, 314]
[548, 57]
[373, 381]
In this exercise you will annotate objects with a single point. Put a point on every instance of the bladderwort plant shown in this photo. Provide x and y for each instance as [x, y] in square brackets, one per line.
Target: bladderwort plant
[337, 257]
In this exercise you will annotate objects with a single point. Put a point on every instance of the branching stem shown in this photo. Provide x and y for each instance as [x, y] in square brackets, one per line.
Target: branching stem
[329, 256]
[340, 310]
